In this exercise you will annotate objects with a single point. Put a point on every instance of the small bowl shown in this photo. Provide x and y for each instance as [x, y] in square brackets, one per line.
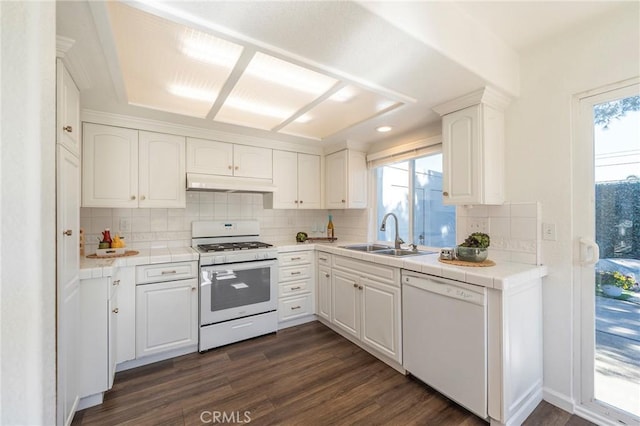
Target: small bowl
[471, 254]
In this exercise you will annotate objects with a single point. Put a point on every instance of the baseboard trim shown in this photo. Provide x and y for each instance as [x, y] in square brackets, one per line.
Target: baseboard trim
[526, 407]
[558, 399]
[297, 321]
[139, 362]
[90, 401]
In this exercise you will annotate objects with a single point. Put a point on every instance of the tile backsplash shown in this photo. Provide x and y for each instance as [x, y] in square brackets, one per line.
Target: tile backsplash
[147, 228]
[514, 229]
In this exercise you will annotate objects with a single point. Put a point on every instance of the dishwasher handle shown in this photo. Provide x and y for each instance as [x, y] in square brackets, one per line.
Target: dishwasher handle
[456, 290]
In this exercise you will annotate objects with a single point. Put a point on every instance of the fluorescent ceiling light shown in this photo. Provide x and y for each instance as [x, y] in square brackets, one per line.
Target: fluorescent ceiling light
[303, 119]
[342, 95]
[257, 108]
[274, 70]
[384, 129]
[212, 50]
[193, 93]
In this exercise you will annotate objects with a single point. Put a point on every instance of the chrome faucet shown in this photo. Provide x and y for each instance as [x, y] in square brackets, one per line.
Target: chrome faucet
[383, 227]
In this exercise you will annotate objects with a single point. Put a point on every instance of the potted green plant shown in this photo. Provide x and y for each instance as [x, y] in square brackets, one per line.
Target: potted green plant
[474, 247]
[613, 282]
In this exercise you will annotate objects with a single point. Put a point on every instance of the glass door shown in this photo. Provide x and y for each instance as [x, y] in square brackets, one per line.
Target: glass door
[607, 229]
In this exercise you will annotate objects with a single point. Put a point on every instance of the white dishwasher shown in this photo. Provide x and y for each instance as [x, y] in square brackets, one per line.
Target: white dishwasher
[444, 325]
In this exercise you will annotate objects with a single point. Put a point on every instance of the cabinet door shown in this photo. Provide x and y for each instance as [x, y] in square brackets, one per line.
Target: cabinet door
[252, 162]
[357, 180]
[162, 178]
[113, 312]
[324, 292]
[336, 180]
[381, 327]
[345, 302]
[285, 171]
[124, 278]
[68, 283]
[461, 156]
[110, 166]
[308, 181]
[94, 336]
[67, 110]
[210, 157]
[166, 316]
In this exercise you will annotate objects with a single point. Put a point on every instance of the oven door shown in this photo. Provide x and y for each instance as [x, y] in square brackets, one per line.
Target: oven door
[237, 290]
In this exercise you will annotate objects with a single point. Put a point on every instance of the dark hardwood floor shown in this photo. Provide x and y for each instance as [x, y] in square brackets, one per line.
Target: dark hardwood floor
[305, 375]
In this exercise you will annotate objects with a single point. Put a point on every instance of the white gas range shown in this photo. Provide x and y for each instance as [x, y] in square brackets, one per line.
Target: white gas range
[238, 282]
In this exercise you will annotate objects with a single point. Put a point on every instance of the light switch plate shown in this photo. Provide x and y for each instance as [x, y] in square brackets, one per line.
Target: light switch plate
[549, 231]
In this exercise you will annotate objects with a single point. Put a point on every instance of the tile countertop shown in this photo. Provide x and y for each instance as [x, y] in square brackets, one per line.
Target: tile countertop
[503, 276]
[98, 268]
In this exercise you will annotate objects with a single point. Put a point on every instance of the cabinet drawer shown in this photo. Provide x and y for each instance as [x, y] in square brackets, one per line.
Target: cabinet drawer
[294, 258]
[293, 288]
[324, 259]
[295, 273]
[166, 272]
[294, 307]
[379, 272]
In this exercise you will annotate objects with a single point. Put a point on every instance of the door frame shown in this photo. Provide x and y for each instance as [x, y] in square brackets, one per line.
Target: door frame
[583, 225]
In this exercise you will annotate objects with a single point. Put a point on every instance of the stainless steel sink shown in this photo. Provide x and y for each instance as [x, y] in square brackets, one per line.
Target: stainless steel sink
[368, 247]
[403, 252]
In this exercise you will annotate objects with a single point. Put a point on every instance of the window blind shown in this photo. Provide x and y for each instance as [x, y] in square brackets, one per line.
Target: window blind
[405, 152]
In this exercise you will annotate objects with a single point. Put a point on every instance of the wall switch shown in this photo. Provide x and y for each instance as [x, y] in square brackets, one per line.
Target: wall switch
[549, 231]
[478, 224]
[125, 224]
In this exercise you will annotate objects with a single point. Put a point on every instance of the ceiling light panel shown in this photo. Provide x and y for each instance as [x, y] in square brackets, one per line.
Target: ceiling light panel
[343, 109]
[168, 66]
[270, 91]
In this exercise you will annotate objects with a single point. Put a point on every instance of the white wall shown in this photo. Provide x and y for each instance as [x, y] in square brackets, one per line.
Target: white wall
[538, 158]
[27, 210]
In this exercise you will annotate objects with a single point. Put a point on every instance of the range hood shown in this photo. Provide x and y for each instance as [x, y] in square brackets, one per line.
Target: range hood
[204, 182]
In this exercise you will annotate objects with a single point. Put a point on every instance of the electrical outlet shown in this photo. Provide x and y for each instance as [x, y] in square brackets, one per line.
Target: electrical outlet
[549, 231]
[125, 224]
[478, 224]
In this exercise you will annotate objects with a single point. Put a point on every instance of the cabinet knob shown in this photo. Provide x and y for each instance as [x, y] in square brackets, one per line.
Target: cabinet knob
[133, 197]
[296, 201]
[327, 275]
[343, 201]
[142, 197]
[301, 201]
[237, 167]
[68, 129]
[355, 285]
[359, 287]
[116, 282]
[115, 311]
[193, 289]
[445, 194]
[230, 167]
[68, 232]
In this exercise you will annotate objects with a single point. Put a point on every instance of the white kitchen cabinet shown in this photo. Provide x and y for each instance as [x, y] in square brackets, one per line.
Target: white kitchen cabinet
[473, 149]
[227, 159]
[297, 180]
[366, 305]
[346, 180]
[323, 288]
[296, 288]
[127, 168]
[67, 281]
[99, 298]
[124, 278]
[166, 312]
[67, 110]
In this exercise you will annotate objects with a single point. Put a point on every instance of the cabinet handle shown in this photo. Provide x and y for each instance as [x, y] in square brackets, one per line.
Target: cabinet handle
[327, 275]
[295, 258]
[296, 273]
[116, 282]
[142, 197]
[296, 288]
[355, 285]
[68, 129]
[68, 232]
[133, 197]
[323, 258]
[169, 272]
[295, 307]
[359, 287]
[115, 311]
[445, 194]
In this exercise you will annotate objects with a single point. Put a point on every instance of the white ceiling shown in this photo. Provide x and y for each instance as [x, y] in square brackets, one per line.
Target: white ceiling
[341, 38]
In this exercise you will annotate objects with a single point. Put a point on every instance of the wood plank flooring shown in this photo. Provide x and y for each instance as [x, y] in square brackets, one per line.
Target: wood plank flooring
[304, 375]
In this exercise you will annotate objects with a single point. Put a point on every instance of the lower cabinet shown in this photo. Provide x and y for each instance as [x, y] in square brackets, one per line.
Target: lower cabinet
[365, 300]
[98, 335]
[126, 315]
[296, 288]
[166, 316]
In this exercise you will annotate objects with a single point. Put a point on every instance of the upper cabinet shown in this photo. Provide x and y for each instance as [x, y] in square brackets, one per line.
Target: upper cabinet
[297, 180]
[346, 180]
[126, 168]
[227, 159]
[67, 110]
[473, 148]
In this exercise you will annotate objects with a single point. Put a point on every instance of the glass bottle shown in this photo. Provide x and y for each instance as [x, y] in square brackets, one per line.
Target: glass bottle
[330, 230]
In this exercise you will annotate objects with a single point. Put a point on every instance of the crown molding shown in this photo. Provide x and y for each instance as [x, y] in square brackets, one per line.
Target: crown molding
[73, 63]
[63, 45]
[487, 95]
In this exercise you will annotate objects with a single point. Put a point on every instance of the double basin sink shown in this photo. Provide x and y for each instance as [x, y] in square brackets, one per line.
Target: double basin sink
[386, 250]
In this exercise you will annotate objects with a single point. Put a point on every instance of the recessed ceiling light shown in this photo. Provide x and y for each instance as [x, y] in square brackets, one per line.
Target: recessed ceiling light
[384, 129]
